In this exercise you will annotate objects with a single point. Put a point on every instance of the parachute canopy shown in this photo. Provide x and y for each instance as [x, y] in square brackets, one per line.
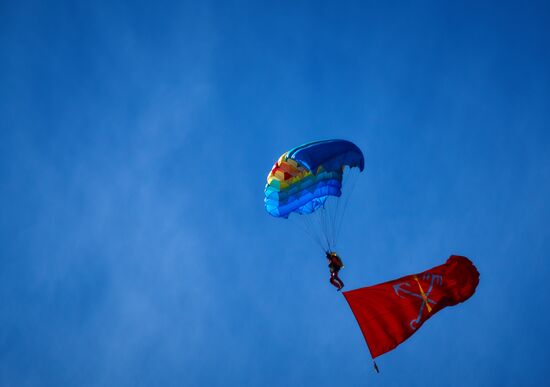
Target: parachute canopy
[304, 177]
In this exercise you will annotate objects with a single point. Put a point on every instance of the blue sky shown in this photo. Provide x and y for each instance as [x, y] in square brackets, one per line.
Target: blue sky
[134, 145]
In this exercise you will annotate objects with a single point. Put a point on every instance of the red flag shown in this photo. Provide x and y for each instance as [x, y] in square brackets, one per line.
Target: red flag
[390, 312]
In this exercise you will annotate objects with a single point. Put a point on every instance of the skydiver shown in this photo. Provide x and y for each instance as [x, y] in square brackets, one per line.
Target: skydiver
[334, 265]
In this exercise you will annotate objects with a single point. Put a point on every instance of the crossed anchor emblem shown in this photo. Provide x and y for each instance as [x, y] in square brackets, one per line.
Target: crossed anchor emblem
[426, 301]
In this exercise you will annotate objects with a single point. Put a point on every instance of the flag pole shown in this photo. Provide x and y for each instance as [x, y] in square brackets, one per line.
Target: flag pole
[375, 366]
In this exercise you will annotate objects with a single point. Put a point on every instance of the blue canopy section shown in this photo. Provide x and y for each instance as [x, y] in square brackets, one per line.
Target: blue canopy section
[331, 154]
[304, 201]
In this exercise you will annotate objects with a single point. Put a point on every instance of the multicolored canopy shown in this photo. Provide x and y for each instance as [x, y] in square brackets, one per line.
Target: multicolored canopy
[304, 177]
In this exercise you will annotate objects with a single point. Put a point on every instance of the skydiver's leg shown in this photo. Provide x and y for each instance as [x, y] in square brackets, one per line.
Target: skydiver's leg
[334, 281]
[340, 283]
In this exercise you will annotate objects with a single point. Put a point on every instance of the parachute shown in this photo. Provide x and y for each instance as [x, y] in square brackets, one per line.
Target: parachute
[308, 180]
